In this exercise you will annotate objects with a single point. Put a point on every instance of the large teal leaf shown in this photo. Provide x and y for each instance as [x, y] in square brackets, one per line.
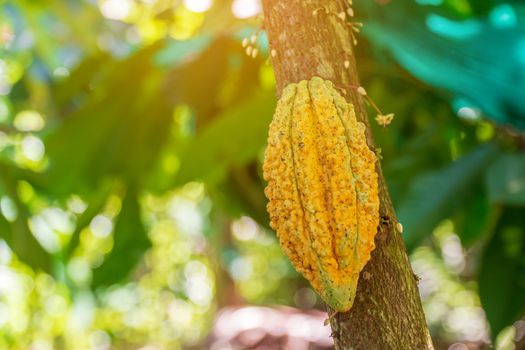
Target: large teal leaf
[435, 195]
[478, 62]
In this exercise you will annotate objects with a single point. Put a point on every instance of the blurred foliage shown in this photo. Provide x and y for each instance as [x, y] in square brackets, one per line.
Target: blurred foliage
[131, 137]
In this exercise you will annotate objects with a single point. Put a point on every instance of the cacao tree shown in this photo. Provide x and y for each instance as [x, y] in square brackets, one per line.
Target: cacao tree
[314, 38]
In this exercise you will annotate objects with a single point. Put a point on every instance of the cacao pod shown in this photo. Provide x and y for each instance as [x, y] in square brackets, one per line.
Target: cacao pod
[322, 188]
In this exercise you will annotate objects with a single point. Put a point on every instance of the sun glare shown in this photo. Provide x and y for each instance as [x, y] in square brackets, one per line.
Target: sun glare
[115, 9]
[246, 8]
[197, 5]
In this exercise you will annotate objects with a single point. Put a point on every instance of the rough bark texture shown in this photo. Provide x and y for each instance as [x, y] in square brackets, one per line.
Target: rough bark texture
[387, 312]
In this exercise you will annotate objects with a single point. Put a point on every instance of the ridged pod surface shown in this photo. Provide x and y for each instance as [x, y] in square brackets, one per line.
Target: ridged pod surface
[322, 188]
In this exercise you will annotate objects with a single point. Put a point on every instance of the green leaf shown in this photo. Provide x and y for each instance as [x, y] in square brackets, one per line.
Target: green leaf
[502, 274]
[202, 81]
[242, 193]
[176, 51]
[232, 139]
[96, 201]
[17, 233]
[79, 85]
[435, 195]
[130, 242]
[473, 222]
[117, 131]
[506, 179]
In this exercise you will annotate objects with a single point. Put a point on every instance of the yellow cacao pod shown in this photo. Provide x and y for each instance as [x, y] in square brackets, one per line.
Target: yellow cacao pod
[322, 188]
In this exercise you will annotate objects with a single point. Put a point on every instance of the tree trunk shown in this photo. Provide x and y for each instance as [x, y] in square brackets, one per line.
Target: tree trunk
[307, 38]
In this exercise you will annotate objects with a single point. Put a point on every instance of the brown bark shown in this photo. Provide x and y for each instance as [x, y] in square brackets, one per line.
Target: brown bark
[387, 312]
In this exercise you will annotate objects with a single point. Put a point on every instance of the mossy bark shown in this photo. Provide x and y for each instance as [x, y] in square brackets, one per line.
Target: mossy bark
[307, 38]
